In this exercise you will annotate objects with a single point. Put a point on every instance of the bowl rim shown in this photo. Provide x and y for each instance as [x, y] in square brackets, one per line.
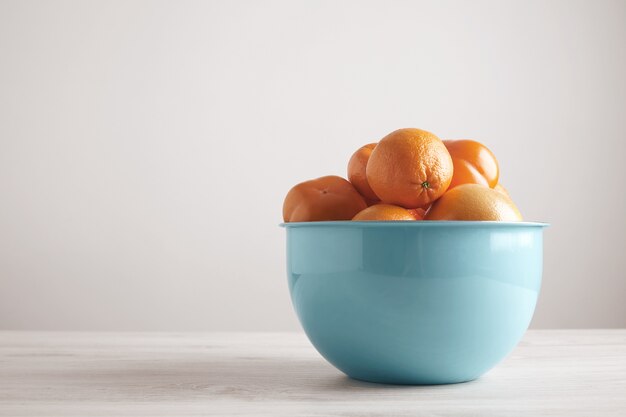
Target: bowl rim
[417, 223]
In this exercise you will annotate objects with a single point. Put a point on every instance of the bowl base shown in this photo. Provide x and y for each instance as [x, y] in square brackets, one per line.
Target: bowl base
[409, 381]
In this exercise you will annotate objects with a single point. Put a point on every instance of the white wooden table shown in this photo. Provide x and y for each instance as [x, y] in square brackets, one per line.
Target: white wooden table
[551, 373]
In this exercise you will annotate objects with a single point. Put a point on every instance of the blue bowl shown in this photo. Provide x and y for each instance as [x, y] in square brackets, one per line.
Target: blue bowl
[423, 302]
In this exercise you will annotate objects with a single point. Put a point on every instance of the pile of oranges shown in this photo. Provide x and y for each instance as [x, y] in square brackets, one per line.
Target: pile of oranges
[410, 174]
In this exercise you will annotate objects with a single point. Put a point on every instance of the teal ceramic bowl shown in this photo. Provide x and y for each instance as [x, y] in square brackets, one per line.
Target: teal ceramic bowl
[423, 302]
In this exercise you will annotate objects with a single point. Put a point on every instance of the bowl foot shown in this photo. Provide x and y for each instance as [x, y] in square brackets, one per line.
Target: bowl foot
[410, 381]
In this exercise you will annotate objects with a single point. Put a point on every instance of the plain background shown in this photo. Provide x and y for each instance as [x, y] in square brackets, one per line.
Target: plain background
[146, 147]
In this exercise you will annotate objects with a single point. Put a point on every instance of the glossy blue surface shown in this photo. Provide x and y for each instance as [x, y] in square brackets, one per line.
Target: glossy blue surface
[414, 302]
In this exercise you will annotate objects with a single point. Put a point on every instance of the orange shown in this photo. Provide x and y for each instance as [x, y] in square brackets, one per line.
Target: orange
[500, 188]
[371, 202]
[325, 198]
[385, 212]
[356, 171]
[410, 168]
[473, 163]
[473, 202]
[418, 213]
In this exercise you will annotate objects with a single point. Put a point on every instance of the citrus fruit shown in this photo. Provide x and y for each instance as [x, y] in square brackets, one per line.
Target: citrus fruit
[473, 163]
[356, 171]
[500, 188]
[410, 168]
[385, 212]
[325, 198]
[473, 202]
[418, 213]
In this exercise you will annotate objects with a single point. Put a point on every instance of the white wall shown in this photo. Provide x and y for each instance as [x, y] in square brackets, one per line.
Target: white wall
[146, 147]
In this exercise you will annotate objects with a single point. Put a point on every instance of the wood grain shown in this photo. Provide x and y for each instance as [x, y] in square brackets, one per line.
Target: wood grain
[551, 373]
